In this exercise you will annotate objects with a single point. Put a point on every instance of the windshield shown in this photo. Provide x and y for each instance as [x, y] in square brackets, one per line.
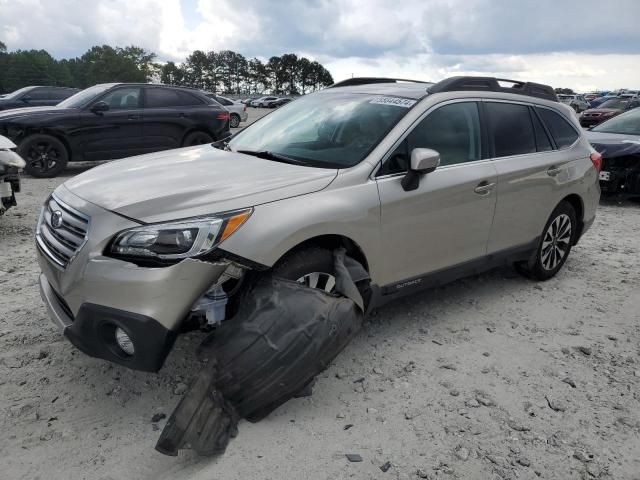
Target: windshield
[82, 98]
[615, 103]
[628, 123]
[329, 130]
[17, 93]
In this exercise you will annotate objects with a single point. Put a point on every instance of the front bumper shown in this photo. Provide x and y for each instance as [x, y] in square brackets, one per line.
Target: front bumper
[94, 294]
[92, 331]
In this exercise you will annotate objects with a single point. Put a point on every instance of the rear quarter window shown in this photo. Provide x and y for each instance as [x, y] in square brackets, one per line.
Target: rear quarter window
[512, 129]
[561, 130]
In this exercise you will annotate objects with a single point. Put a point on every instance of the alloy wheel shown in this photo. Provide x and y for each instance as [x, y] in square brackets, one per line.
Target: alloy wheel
[42, 156]
[556, 242]
[319, 280]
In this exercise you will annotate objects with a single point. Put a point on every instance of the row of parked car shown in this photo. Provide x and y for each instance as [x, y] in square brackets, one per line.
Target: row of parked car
[594, 109]
[267, 102]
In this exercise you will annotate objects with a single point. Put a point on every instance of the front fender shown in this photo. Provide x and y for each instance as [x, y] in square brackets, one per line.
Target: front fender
[276, 228]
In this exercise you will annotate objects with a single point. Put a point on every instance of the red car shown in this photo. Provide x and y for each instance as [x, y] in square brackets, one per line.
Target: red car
[607, 110]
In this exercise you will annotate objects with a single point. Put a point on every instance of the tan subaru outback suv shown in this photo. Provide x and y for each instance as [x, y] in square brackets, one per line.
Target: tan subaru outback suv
[420, 183]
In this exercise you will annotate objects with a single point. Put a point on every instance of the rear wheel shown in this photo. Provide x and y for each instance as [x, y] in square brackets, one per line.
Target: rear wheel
[46, 156]
[555, 244]
[197, 138]
[234, 120]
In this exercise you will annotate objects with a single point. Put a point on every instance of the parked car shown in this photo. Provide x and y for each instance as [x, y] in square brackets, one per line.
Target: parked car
[596, 102]
[618, 140]
[238, 111]
[36, 97]
[111, 121]
[10, 166]
[577, 102]
[403, 176]
[278, 103]
[608, 109]
[262, 101]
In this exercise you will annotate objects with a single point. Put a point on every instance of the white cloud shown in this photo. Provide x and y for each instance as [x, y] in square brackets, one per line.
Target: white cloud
[566, 43]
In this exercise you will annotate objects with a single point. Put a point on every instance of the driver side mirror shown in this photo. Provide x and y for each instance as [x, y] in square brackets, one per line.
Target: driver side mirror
[100, 107]
[26, 98]
[423, 161]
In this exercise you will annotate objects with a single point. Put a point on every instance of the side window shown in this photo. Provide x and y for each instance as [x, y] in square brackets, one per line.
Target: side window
[39, 94]
[561, 131]
[168, 97]
[543, 143]
[453, 131]
[126, 98]
[61, 93]
[223, 101]
[186, 99]
[512, 128]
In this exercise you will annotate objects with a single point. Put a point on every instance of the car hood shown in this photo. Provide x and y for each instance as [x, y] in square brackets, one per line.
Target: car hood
[614, 144]
[15, 113]
[193, 181]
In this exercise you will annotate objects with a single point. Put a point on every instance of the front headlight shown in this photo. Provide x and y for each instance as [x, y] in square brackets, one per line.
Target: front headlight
[177, 240]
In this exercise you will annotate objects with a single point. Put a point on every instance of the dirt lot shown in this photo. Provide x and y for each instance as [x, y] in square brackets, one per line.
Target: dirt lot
[491, 377]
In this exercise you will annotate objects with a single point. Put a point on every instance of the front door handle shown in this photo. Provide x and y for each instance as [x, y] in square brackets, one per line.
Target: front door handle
[484, 188]
[134, 117]
[553, 171]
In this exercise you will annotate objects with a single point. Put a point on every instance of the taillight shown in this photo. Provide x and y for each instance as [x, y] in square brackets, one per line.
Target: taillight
[245, 107]
[223, 116]
[596, 158]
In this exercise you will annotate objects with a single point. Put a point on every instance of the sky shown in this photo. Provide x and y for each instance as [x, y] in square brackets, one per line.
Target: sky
[580, 44]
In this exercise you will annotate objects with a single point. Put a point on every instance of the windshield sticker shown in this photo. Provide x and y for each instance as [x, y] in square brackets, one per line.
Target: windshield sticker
[395, 101]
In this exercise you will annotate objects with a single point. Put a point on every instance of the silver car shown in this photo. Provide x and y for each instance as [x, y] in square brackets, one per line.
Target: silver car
[420, 183]
[238, 111]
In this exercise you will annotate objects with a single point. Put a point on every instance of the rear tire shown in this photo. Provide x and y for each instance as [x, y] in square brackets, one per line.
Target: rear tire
[197, 138]
[45, 155]
[234, 120]
[555, 244]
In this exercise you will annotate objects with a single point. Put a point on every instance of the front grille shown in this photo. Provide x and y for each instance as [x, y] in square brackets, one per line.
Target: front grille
[60, 243]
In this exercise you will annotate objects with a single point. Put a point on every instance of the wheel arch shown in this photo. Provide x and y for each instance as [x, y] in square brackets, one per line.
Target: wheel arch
[52, 133]
[196, 128]
[331, 242]
[578, 205]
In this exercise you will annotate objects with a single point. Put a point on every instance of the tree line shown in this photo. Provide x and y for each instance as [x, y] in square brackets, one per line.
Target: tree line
[224, 72]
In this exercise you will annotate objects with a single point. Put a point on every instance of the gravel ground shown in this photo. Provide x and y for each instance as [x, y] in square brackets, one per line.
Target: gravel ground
[491, 377]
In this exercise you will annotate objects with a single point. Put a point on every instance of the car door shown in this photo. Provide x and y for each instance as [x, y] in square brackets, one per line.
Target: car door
[531, 162]
[116, 132]
[446, 221]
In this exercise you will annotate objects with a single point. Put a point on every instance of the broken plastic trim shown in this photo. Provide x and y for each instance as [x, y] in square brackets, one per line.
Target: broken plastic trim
[283, 335]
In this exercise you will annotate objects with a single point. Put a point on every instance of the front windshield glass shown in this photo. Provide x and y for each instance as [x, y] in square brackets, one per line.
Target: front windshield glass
[82, 98]
[615, 103]
[329, 130]
[17, 93]
[628, 123]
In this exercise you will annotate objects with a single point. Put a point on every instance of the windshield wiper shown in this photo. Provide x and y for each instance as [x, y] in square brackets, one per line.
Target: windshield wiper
[277, 157]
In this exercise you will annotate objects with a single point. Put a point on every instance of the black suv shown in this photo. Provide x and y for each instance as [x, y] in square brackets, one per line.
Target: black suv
[112, 121]
[36, 97]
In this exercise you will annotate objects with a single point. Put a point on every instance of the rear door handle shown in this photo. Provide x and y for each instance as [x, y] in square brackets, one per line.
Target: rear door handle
[134, 117]
[484, 188]
[553, 171]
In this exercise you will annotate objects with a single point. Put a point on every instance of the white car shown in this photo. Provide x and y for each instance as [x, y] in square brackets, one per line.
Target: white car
[237, 110]
[262, 101]
[10, 166]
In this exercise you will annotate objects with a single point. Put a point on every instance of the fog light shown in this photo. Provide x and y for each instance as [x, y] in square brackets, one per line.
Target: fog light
[124, 341]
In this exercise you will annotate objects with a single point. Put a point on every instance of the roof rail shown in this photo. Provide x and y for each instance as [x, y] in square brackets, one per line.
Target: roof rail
[365, 80]
[491, 84]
